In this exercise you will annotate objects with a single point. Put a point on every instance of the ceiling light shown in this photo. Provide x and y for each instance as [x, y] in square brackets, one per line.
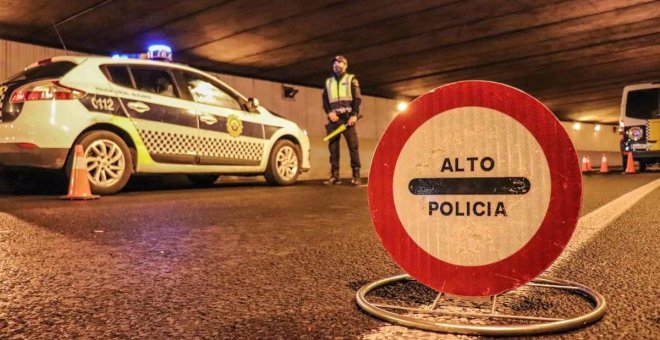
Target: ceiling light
[597, 127]
[402, 106]
[576, 126]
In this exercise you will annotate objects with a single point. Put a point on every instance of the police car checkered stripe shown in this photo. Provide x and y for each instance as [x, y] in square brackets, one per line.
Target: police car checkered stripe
[232, 149]
[167, 143]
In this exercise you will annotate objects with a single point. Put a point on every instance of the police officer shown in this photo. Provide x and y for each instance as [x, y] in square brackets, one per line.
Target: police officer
[341, 102]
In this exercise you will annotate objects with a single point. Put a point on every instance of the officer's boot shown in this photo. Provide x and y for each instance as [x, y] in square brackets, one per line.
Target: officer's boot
[355, 181]
[334, 178]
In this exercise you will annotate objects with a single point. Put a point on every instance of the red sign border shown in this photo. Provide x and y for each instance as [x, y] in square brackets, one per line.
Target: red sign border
[557, 225]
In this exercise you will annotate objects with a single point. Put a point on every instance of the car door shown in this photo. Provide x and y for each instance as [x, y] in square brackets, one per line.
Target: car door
[166, 122]
[228, 134]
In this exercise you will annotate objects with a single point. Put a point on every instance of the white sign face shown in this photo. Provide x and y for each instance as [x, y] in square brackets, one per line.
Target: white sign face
[471, 144]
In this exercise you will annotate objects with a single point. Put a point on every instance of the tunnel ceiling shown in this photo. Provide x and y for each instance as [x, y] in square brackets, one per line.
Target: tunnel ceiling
[575, 55]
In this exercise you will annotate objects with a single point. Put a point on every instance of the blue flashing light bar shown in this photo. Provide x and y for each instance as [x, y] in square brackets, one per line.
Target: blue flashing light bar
[128, 56]
[153, 48]
[159, 52]
[155, 52]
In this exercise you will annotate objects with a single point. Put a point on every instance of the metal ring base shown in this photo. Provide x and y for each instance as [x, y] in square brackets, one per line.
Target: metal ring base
[539, 325]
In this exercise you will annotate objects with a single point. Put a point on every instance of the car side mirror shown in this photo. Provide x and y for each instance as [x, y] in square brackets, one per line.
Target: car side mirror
[252, 104]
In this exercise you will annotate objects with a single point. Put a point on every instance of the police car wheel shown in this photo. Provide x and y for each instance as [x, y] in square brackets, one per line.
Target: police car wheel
[283, 163]
[203, 180]
[109, 163]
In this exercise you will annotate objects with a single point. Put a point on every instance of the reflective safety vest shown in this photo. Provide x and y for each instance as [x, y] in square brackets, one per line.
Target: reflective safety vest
[339, 93]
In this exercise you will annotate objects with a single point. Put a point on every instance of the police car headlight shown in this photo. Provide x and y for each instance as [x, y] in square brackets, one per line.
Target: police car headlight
[635, 133]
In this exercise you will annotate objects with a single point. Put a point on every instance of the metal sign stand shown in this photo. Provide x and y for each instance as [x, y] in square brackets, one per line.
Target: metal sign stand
[422, 317]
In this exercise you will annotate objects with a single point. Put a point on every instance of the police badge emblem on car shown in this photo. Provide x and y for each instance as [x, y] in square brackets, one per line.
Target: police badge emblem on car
[234, 126]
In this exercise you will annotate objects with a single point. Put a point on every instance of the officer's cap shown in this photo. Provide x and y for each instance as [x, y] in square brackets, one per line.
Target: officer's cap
[340, 58]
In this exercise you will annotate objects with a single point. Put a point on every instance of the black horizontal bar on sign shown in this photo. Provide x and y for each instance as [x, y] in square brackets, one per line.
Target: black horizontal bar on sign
[470, 186]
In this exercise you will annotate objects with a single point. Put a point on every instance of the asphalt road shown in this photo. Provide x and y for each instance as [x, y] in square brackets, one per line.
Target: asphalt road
[249, 261]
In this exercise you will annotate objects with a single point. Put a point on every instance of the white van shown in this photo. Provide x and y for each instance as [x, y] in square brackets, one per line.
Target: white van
[640, 124]
[142, 116]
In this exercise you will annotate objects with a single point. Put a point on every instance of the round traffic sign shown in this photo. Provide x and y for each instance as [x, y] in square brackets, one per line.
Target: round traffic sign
[475, 189]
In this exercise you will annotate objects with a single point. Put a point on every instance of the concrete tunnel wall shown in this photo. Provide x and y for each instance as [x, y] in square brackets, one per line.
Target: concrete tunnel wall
[306, 110]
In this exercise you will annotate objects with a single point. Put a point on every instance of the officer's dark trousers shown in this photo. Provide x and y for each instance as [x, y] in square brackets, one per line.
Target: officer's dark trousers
[333, 145]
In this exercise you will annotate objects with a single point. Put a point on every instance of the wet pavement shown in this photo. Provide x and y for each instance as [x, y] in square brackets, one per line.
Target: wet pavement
[249, 261]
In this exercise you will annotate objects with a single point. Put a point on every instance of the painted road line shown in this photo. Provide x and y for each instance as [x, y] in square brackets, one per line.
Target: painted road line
[591, 224]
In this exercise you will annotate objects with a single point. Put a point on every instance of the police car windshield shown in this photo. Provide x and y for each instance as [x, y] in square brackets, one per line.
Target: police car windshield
[51, 70]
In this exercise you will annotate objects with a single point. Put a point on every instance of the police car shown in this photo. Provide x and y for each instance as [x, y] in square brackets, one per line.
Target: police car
[142, 116]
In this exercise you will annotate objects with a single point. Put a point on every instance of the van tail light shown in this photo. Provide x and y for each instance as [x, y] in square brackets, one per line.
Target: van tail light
[45, 90]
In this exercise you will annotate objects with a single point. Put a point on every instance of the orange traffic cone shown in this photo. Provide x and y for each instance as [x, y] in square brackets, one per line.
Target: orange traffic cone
[589, 163]
[630, 166]
[584, 168]
[603, 165]
[79, 183]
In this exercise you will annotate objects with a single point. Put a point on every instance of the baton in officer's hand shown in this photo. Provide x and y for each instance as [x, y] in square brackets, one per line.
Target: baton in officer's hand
[338, 130]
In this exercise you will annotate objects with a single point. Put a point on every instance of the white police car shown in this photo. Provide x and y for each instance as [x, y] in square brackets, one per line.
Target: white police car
[142, 116]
